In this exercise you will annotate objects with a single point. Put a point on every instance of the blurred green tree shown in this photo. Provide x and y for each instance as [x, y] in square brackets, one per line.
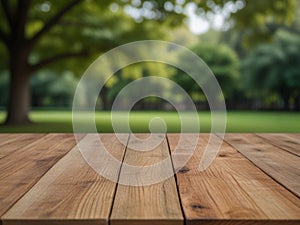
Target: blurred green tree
[258, 23]
[223, 62]
[50, 89]
[4, 79]
[136, 71]
[39, 33]
[275, 69]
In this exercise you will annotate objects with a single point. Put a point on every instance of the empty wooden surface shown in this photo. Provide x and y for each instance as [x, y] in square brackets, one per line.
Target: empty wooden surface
[44, 179]
[288, 142]
[231, 189]
[281, 165]
[21, 169]
[10, 143]
[153, 204]
[71, 190]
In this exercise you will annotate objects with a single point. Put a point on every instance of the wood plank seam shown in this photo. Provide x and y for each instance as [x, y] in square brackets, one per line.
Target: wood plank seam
[117, 184]
[176, 182]
[155, 203]
[46, 171]
[33, 184]
[36, 181]
[257, 166]
[88, 206]
[278, 146]
[225, 160]
[273, 178]
[28, 188]
[252, 162]
[246, 194]
[58, 160]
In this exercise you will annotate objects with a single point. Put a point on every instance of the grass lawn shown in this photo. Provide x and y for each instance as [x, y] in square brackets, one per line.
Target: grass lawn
[237, 121]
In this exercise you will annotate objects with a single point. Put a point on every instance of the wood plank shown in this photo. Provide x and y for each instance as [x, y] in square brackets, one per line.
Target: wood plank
[277, 163]
[14, 142]
[20, 170]
[246, 222]
[231, 191]
[294, 135]
[156, 204]
[4, 137]
[283, 141]
[71, 192]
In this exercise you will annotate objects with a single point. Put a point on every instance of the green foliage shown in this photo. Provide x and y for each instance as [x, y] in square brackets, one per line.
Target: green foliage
[4, 80]
[260, 13]
[136, 71]
[256, 21]
[183, 36]
[223, 62]
[275, 68]
[49, 89]
[244, 37]
[92, 27]
[259, 20]
[88, 30]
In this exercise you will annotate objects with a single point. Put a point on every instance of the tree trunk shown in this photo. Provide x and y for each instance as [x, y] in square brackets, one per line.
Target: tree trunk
[19, 93]
[104, 98]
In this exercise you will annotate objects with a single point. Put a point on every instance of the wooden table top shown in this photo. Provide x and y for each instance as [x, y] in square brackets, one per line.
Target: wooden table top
[255, 179]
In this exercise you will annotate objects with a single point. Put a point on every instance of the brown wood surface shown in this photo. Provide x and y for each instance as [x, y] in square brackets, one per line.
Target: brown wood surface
[294, 135]
[10, 143]
[231, 191]
[284, 141]
[44, 179]
[4, 138]
[281, 165]
[21, 169]
[147, 205]
[71, 192]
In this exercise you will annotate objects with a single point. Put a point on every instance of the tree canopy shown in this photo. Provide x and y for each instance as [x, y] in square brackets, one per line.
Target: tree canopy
[275, 68]
[38, 34]
[223, 62]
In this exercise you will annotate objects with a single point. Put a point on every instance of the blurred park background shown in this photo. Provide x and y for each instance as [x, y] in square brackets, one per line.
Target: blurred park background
[252, 47]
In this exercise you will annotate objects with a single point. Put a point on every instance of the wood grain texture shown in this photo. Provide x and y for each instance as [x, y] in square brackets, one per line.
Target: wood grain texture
[10, 143]
[53, 222]
[43, 181]
[4, 138]
[71, 192]
[245, 222]
[283, 141]
[294, 135]
[281, 165]
[231, 191]
[156, 204]
[20, 170]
